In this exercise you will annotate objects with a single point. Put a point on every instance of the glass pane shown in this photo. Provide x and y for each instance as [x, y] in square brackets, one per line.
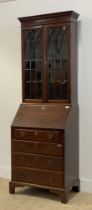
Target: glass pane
[51, 91]
[27, 64]
[27, 90]
[33, 64]
[33, 56]
[39, 90]
[27, 75]
[57, 62]
[33, 90]
[33, 75]
[52, 75]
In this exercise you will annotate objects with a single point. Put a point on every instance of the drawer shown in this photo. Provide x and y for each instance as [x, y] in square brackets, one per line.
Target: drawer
[38, 161]
[38, 147]
[38, 177]
[50, 136]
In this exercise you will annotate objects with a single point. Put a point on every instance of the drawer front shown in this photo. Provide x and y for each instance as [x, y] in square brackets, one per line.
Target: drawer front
[38, 161]
[50, 136]
[39, 177]
[38, 147]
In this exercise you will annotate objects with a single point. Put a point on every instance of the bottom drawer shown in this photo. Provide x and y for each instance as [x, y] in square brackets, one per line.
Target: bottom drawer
[40, 177]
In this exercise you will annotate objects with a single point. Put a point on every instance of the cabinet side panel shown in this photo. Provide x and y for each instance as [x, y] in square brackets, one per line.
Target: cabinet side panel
[72, 147]
[73, 62]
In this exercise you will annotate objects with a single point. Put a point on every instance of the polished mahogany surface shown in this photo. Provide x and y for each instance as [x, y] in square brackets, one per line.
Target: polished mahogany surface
[50, 116]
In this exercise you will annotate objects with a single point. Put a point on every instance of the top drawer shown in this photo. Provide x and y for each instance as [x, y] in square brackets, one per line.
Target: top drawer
[25, 134]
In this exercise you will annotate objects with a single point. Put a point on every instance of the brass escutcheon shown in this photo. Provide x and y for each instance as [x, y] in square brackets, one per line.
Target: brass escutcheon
[50, 135]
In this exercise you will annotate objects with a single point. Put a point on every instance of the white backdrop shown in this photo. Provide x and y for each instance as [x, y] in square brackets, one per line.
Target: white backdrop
[10, 74]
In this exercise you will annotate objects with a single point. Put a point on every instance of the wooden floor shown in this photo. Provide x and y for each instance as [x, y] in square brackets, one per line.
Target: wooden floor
[38, 199]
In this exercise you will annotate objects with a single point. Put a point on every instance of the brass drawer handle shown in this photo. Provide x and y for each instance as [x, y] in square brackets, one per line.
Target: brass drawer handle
[51, 179]
[51, 162]
[59, 145]
[50, 136]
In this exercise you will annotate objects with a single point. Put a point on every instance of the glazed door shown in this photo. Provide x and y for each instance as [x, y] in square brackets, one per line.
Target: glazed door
[57, 62]
[46, 63]
[33, 64]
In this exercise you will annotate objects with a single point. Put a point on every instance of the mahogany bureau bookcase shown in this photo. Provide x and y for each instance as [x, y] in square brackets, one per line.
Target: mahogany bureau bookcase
[44, 132]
